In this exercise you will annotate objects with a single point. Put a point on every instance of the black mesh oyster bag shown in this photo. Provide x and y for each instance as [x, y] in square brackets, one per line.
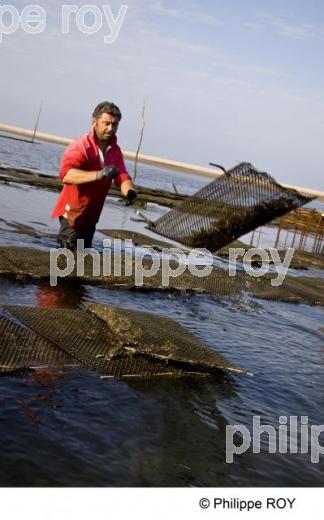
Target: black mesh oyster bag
[234, 204]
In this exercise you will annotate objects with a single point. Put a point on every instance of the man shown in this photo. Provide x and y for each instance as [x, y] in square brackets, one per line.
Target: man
[88, 167]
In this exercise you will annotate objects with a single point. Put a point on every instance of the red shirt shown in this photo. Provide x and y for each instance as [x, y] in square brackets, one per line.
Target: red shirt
[83, 203]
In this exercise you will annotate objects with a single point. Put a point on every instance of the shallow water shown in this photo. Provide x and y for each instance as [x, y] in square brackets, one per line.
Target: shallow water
[45, 158]
[76, 429]
[71, 428]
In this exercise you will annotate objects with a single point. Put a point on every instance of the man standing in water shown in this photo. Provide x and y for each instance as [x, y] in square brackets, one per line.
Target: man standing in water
[88, 167]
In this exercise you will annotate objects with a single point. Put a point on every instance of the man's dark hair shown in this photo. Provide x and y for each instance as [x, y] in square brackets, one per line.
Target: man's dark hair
[107, 107]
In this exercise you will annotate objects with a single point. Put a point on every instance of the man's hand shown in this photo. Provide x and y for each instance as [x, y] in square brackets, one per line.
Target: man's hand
[131, 197]
[109, 172]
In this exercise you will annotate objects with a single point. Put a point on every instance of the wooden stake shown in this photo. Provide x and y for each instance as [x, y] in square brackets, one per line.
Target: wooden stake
[37, 121]
[140, 141]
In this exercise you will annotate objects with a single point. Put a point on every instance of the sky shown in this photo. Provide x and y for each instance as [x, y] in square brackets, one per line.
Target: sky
[223, 81]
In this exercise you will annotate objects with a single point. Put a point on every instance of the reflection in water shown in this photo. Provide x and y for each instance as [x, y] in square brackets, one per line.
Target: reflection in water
[188, 429]
[64, 295]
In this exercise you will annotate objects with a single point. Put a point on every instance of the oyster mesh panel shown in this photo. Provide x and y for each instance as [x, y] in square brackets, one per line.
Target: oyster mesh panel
[25, 262]
[33, 265]
[21, 348]
[293, 289]
[235, 203]
[13, 357]
[138, 239]
[114, 347]
[159, 337]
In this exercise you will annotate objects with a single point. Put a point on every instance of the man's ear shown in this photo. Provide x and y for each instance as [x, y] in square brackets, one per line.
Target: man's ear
[93, 120]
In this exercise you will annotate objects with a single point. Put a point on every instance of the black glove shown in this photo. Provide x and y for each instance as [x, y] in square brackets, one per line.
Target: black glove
[109, 172]
[131, 197]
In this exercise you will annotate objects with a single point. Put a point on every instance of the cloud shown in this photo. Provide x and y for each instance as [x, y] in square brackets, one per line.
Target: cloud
[296, 31]
[157, 7]
[185, 11]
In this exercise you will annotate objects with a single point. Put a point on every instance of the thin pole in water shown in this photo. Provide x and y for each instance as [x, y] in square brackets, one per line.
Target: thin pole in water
[140, 140]
[37, 120]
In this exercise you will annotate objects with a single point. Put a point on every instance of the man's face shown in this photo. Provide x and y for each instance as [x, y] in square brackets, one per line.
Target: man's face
[105, 126]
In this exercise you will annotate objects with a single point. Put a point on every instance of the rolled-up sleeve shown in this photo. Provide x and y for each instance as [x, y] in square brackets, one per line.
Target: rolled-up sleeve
[73, 157]
[123, 174]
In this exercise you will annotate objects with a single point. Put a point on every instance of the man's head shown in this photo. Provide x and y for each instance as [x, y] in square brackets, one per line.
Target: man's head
[105, 120]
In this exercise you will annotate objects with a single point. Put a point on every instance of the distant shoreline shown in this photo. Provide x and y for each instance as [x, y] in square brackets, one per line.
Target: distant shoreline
[145, 159]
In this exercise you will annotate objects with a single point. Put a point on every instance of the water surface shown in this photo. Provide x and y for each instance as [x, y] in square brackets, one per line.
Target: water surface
[71, 428]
